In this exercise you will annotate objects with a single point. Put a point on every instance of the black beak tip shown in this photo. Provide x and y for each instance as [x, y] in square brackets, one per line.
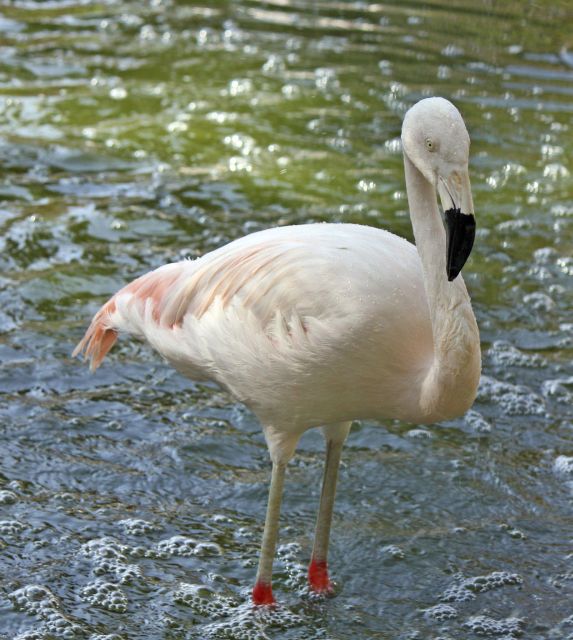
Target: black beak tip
[453, 274]
[460, 232]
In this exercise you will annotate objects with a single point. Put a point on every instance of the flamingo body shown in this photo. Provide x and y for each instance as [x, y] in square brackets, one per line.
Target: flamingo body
[320, 324]
[307, 325]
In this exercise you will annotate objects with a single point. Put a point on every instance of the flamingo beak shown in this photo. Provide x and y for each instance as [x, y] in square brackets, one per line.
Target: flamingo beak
[456, 196]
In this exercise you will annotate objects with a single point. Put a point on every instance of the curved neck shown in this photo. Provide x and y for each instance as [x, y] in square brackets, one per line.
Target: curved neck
[430, 237]
[450, 383]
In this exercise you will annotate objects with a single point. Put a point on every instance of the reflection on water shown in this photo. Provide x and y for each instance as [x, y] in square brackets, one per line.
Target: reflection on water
[132, 134]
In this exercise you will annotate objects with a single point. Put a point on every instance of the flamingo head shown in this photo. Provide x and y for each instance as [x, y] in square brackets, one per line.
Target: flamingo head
[436, 141]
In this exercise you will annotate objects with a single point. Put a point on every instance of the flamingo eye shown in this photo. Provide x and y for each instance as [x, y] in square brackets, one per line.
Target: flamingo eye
[431, 145]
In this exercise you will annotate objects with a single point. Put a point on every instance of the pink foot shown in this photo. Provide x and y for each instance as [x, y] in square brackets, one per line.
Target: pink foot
[263, 593]
[318, 577]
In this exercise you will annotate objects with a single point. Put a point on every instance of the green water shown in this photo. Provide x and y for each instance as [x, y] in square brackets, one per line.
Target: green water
[137, 133]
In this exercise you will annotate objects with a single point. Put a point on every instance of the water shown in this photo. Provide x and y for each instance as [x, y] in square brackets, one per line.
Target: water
[136, 133]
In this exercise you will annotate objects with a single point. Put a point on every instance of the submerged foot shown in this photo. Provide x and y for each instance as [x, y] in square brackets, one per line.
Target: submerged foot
[263, 593]
[318, 577]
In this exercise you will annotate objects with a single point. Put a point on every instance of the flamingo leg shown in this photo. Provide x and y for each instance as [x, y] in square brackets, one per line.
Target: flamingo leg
[262, 591]
[318, 569]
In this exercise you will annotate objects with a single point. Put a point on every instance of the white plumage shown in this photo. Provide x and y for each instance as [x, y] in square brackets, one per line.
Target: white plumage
[321, 324]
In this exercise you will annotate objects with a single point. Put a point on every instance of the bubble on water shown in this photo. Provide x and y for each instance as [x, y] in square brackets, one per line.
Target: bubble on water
[11, 527]
[444, 72]
[563, 465]
[30, 635]
[484, 626]
[513, 226]
[203, 600]
[107, 547]
[118, 93]
[420, 434]
[500, 177]
[512, 532]
[296, 572]
[465, 589]
[239, 164]
[8, 497]
[539, 302]
[477, 422]
[106, 595]
[504, 354]
[522, 403]
[89, 132]
[207, 36]
[274, 65]
[316, 124]
[325, 79]
[457, 593]
[178, 546]
[385, 67]
[556, 171]
[130, 20]
[545, 255]
[221, 518]
[247, 622]
[566, 265]
[394, 552]
[452, 51]
[208, 549]
[559, 389]
[366, 185]
[34, 598]
[39, 601]
[148, 32]
[513, 400]
[240, 87]
[241, 142]
[441, 612]
[111, 636]
[550, 151]
[188, 592]
[562, 210]
[245, 533]
[177, 126]
[339, 142]
[221, 117]
[394, 145]
[234, 35]
[291, 91]
[137, 527]
[110, 557]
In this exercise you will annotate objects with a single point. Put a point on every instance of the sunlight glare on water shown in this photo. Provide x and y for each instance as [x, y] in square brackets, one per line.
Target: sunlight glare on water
[138, 133]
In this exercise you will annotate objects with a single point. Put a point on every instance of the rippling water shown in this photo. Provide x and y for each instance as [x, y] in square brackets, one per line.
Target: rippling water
[136, 133]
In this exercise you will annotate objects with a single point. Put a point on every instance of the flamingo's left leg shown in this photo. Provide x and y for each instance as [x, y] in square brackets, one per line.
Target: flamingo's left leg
[335, 435]
[281, 447]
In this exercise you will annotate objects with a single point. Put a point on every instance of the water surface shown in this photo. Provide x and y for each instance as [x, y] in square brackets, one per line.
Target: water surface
[137, 133]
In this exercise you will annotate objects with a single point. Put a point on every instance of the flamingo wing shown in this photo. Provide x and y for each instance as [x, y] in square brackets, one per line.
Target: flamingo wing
[261, 275]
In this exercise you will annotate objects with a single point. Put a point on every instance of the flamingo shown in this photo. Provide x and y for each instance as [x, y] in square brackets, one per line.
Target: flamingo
[316, 325]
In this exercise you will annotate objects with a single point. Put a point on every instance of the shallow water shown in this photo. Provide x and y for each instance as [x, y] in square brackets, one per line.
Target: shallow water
[137, 133]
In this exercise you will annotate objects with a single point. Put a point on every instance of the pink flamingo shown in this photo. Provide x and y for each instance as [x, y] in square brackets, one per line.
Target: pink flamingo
[320, 324]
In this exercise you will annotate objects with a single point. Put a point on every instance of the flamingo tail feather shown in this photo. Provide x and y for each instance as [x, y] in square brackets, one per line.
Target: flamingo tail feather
[99, 338]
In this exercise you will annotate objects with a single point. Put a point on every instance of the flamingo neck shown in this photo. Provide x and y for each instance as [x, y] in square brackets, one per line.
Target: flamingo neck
[450, 382]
